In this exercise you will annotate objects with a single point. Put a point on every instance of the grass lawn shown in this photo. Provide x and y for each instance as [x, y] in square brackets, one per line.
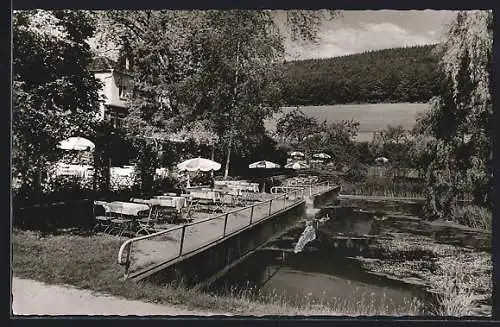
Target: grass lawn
[89, 262]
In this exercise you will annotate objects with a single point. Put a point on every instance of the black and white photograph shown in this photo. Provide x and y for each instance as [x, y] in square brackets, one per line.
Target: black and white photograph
[252, 163]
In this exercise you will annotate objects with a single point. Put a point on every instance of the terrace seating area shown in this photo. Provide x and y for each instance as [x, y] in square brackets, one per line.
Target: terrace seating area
[239, 185]
[140, 216]
[302, 180]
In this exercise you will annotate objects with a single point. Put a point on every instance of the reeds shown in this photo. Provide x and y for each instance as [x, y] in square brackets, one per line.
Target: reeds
[386, 187]
[363, 304]
[458, 284]
[472, 216]
[455, 298]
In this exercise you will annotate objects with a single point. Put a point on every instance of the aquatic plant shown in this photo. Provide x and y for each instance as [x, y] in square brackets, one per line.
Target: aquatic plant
[460, 278]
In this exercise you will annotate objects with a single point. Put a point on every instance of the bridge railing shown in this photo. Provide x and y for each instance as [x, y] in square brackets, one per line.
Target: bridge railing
[161, 247]
[309, 189]
[284, 189]
[318, 188]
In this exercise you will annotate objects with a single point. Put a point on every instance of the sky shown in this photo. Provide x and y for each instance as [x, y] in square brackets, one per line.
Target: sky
[358, 31]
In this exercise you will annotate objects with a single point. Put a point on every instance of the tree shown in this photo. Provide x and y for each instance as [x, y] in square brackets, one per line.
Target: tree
[220, 67]
[54, 94]
[238, 80]
[460, 120]
[158, 48]
[161, 51]
[395, 134]
[216, 66]
[300, 132]
[336, 139]
[395, 144]
[421, 153]
[389, 75]
[294, 126]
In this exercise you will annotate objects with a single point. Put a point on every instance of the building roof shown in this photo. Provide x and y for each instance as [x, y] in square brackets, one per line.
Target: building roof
[104, 64]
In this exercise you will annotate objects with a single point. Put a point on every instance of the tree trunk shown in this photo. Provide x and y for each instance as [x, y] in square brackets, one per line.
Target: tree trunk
[37, 182]
[235, 91]
[107, 175]
[94, 178]
[228, 160]
[212, 157]
[37, 179]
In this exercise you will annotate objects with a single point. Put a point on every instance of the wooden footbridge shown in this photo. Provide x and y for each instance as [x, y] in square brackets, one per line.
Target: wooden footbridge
[199, 249]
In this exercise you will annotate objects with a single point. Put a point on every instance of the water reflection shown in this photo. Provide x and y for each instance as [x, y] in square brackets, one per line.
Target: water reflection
[329, 268]
[318, 274]
[330, 289]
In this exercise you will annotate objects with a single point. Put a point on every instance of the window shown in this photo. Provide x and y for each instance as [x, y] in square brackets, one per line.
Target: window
[121, 91]
[116, 120]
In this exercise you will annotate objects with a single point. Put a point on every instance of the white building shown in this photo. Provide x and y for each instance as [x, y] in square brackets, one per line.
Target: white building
[115, 91]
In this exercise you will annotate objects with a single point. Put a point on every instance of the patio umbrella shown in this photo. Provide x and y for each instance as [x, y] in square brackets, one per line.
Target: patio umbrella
[297, 154]
[382, 160]
[76, 143]
[264, 164]
[297, 165]
[197, 164]
[322, 156]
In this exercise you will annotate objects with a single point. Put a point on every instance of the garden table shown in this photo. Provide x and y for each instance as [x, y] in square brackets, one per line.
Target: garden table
[127, 208]
[177, 202]
[160, 202]
[131, 212]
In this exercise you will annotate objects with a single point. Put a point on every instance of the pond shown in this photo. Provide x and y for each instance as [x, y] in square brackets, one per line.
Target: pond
[367, 258]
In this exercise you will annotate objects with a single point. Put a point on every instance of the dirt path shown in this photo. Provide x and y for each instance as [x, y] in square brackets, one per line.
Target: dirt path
[35, 298]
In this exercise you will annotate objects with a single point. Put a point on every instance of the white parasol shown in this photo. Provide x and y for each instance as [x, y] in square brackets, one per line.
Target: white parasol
[297, 154]
[264, 164]
[297, 165]
[76, 143]
[322, 156]
[197, 164]
[382, 160]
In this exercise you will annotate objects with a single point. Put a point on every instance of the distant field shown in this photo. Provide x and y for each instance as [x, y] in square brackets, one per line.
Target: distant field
[372, 117]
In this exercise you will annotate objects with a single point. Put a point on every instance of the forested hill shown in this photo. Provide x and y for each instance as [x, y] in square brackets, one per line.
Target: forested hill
[393, 75]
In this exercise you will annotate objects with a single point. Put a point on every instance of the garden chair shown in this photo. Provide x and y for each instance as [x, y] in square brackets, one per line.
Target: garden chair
[215, 200]
[121, 225]
[250, 196]
[169, 208]
[237, 197]
[192, 205]
[122, 221]
[102, 221]
[204, 199]
[147, 225]
[218, 205]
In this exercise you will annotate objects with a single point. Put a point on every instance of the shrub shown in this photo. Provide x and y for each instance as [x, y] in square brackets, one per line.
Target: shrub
[165, 184]
[472, 216]
[356, 173]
